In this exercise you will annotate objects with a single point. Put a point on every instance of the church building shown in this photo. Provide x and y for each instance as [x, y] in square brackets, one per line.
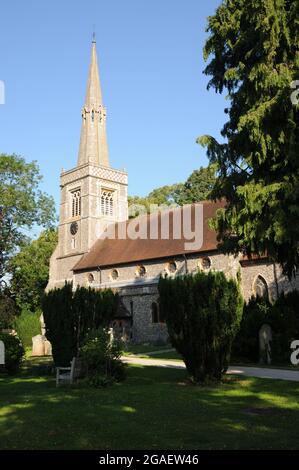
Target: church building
[94, 204]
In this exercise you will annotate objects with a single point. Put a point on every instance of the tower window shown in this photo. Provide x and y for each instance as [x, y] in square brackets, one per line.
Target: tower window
[76, 202]
[107, 202]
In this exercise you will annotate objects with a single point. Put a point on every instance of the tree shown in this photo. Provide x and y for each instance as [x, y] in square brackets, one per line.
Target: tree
[253, 51]
[198, 186]
[29, 270]
[203, 314]
[69, 316]
[22, 204]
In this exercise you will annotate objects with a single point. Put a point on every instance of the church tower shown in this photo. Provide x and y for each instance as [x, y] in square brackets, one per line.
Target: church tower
[93, 195]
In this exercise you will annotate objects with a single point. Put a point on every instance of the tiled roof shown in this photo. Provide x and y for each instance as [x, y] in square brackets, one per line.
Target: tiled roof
[113, 252]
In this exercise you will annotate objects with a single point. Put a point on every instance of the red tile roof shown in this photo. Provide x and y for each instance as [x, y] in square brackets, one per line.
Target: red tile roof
[113, 252]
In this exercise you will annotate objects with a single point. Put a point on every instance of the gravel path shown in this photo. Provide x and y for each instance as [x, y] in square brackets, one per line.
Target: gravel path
[281, 374]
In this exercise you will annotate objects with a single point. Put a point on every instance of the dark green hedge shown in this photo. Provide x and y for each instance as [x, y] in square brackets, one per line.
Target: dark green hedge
[282, 316]
[202, 313]
[69, 315]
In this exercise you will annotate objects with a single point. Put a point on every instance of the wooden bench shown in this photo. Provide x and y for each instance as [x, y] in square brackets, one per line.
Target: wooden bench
[65, 375]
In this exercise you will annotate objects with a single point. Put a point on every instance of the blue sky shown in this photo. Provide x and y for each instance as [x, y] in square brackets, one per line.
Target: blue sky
[151, 62]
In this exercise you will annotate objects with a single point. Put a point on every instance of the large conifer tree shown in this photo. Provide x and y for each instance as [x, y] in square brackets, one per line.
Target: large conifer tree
[253, 52]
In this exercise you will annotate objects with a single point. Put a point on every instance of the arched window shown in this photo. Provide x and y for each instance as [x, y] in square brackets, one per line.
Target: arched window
[260, 288]
[90, 278]
[76, 203]
[107, 202]
[155, 313]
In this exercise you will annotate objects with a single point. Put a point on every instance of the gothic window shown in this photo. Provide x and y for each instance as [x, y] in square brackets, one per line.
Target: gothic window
[260, 287]
[107, 202]
[76, 203]
[90, 278]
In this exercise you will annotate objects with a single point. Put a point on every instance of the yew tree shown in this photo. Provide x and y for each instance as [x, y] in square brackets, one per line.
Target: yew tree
[253, 55]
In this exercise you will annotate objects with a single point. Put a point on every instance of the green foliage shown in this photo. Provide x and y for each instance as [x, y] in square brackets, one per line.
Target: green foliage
[102, 357]
[246, 344]
[22, 203]
[254, 54]
[29, 269]
[8, 311]
[14, 352]
[198, 186]
[27, 325]
[69, 315]
[282, 316]
[203, 314]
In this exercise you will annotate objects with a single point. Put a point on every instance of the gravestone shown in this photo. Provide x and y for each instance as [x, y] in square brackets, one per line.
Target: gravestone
[38, 345]
[265, 338]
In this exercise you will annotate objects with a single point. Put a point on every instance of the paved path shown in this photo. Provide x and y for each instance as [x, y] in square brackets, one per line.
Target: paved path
[267, 373]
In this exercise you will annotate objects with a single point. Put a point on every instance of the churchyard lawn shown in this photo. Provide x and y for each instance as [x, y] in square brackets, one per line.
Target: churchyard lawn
[154, 408]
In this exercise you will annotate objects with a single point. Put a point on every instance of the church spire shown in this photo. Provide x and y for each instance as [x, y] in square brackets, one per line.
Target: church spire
[93, 143]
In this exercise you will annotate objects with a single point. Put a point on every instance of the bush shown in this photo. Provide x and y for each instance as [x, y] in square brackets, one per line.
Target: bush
[282, 316]
[69, 315]
[27, 325]
[285, 325]
[14, 352]
[102, 357]
[246, 343]
[203, 313]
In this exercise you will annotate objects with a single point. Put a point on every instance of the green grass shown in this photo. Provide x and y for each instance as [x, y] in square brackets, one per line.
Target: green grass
[154, 408]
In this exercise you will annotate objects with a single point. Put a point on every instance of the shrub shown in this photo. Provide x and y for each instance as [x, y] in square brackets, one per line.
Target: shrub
[27, 325]
[282, 316]
[285, 325]
[102, 357]
[69, 315]
[203, 313]
[14, 352]
[246, 343]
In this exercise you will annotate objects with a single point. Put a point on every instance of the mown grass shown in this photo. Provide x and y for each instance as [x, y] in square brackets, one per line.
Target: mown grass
[154, 408]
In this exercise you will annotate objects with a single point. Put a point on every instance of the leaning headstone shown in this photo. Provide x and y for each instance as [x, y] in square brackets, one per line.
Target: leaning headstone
[265, 338]
[48, 348]
[38, 345]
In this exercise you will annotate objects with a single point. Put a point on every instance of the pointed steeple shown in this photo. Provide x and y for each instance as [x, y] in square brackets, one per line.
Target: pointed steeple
[93, 143]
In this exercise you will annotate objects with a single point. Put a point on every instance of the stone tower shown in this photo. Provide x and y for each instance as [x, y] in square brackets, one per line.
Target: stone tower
[93, 195]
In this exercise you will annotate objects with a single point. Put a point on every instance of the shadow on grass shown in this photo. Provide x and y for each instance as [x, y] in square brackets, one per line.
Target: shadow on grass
[153, 409]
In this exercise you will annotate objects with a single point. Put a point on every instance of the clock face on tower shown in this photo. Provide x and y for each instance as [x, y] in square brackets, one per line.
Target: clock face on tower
[74, 228]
